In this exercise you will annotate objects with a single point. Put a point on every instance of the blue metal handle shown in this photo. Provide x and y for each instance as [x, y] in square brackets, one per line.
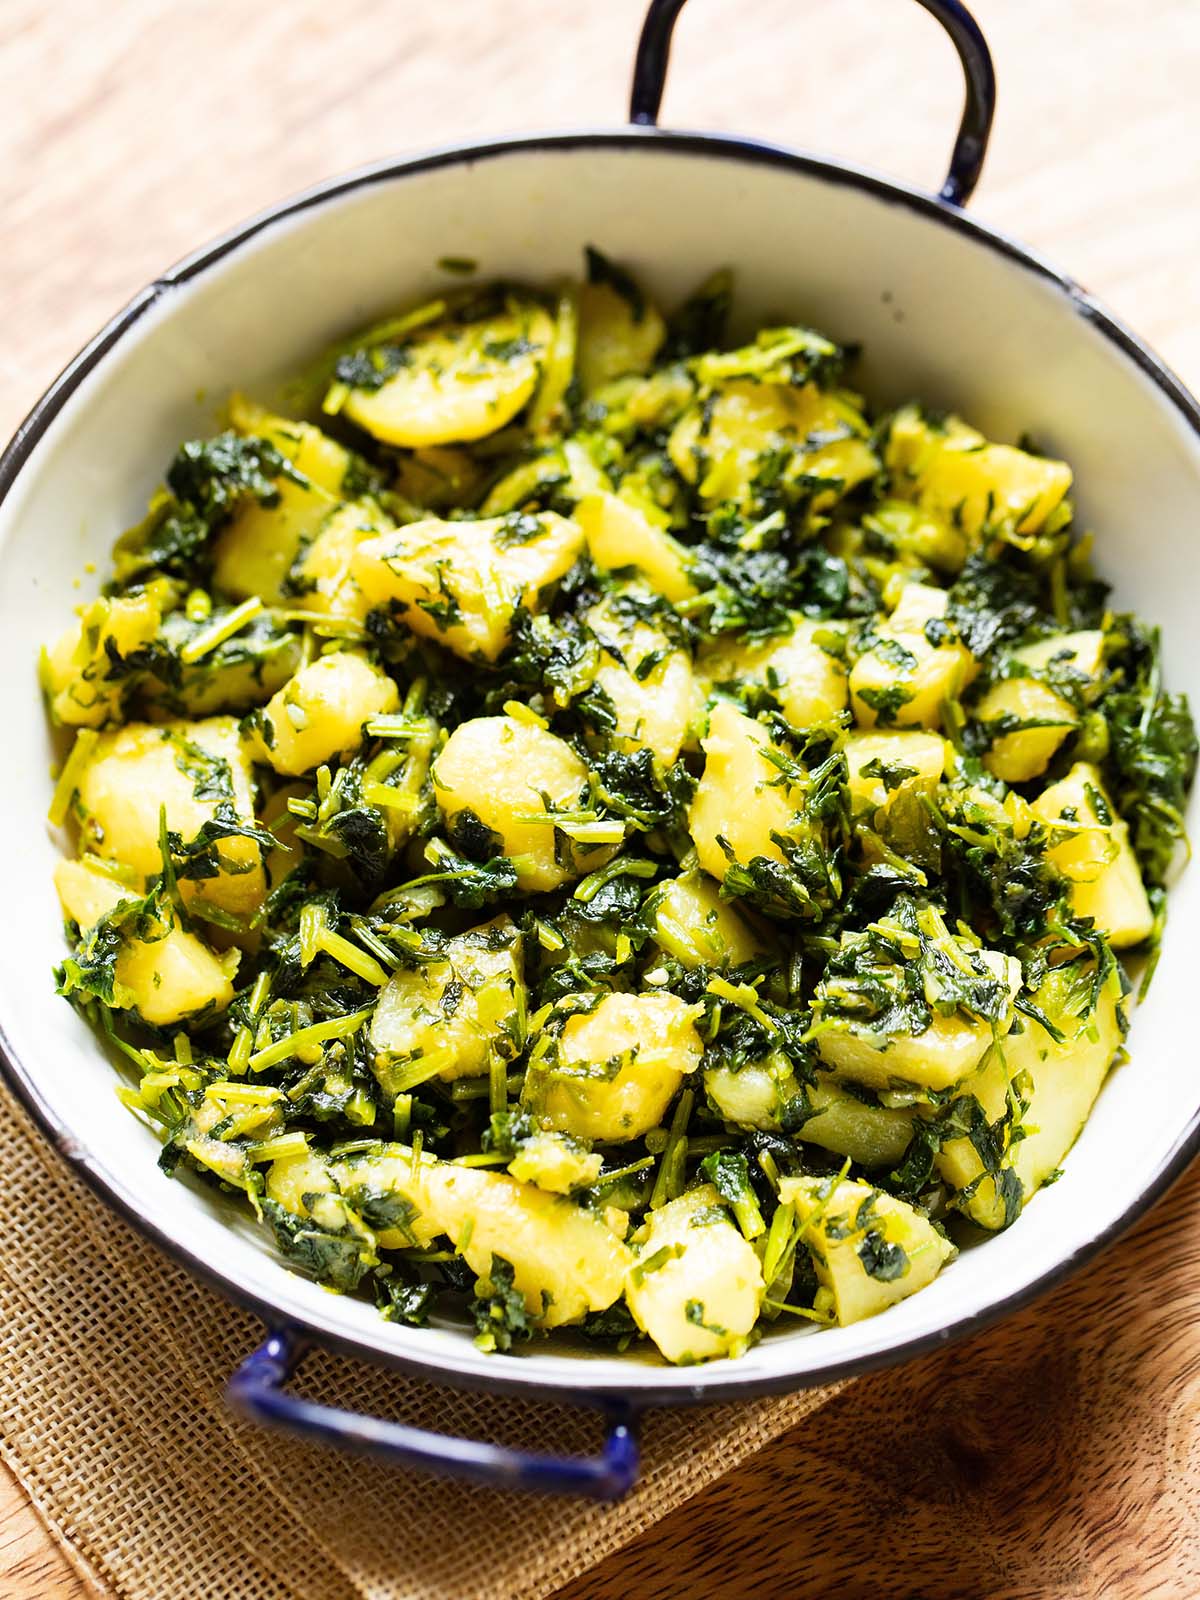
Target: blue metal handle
[257, 1389]
[970, 145]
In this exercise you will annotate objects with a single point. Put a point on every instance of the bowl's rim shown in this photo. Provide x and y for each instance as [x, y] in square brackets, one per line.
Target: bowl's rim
[719, 1382]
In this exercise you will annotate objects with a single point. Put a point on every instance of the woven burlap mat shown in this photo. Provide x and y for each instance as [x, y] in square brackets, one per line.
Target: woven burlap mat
[112, 1364]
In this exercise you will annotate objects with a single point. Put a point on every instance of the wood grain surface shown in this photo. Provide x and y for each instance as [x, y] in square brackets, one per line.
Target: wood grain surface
[1058, 1455]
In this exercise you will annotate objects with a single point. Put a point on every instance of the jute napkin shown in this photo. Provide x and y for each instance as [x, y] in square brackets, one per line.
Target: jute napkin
[112, 1363]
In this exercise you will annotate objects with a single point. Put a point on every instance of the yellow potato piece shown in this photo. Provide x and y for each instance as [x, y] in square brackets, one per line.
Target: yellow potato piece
[77, 672]
[504, 771]
[719, 446]
[555, 1162]
[323, 577]
[1025, 753]
[454, 1011]
[166, 978]
[977, 486]
[808, 680]
[254, 555]
[696, 1286]
[1094, 853]
[742, 798]
[897, 762]
[461, 582]
[869, 1249]
[691, 922]
[619, 536]
[615, 336]
[648, 681]
[904, 680]
[187, 769]
[461, 381]
[321, 459]
[566, 1261]
[319, 714]
[617, 1068]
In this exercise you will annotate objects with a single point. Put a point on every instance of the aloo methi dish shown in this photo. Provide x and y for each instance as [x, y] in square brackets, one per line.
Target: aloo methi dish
[580, 824]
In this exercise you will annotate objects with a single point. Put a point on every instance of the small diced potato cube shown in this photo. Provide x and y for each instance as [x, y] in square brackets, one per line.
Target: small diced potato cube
[321, 459]
[440, 478]
[869, 1249]
[166, 977]
[647, 679]
[319, 714]
[187, 770]
[255, 554]
[85, 675]
[808, 679]
[1082, 651]
[720, 446]
[504, 772]
[848, 1124]
[943, 1052]
[461, 582]
[617, 336]
[691, 922]
[696, 1286]
[616, 1068]
[919, 534]
[454, 1011]
[883, 765]
[458, 381]
[323, 578]
[620, 536]
[903, 680]
[742, 799]
[1027, 751]
[1090, 847]
[953, 471]
[555, 1162]
[236, 674]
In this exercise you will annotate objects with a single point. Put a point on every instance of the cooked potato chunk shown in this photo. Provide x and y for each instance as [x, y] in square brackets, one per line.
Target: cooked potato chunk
[165, 976]
[743, 799]
[721, 445]
[619, 537]
[440, 478]
[323, 576]
[884, 765]
[86, 675]
[696, 1286]
[617, 1067]
[808, 679]
[953, 472]
[188, 770]
[647, 679]
[767, 1095]
[319, 714]
[321, 459]
[457, 381]
[1090, 847]
[1044, 720]
[1038, 1089]
[868, 1248]
[255, 554]
[955, 997]
[556, 1163]
[513, 777]
[241, 671]
[692, 923]
[903, 679]
[617, 335]
[450, 1013]
[461, 582]
[1045, 717]
[566, 1261]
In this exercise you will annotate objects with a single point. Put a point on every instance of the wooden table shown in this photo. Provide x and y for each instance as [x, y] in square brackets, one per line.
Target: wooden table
[1059, 1455]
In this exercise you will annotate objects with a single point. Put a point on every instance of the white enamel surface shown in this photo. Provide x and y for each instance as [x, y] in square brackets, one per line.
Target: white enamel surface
[941, 316]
